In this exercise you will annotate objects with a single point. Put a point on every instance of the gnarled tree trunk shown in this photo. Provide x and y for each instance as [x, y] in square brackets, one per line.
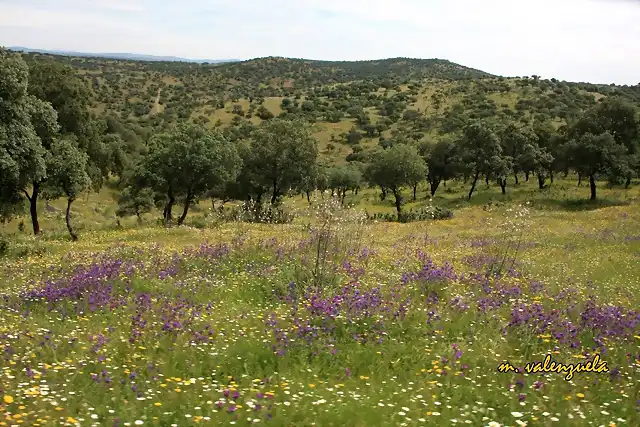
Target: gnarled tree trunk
[473, 184]
[398, 201]
[434, 186]
[187, 204]
[167, 214]
[67, 219]
[33, 207]
[592, 185]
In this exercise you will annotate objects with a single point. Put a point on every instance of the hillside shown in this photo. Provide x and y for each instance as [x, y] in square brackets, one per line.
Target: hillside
[351, 103]
[124, 56]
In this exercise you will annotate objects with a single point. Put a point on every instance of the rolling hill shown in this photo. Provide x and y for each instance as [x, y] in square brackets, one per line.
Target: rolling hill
[353, 105]
[124, 56]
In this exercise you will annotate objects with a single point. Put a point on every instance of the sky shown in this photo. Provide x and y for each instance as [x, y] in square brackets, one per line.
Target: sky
[594, 41]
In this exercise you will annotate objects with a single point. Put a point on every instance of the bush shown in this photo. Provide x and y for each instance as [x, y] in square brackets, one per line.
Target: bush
[425, 214]
[263, 214]
[4, 246]
[21, 248]
[203, 222]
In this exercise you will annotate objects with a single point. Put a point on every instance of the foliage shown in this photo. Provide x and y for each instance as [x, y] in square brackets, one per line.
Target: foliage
[593, 155]
[343, 179]
[397, 167]
[67, 166]
[412, 215]
[482, 153]
[27, 125]
[252, 212]
[186, 163]
[443, 162]
[281, 155]
[135, 201]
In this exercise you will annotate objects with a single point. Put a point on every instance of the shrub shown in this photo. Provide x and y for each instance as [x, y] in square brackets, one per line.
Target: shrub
[264, 214]
[335, 233]
[425, 214]
[4, 246]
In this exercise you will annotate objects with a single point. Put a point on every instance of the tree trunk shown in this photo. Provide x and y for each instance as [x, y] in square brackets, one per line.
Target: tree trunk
[526, 176]
[383, 195]
[592, 184]
[579, 180]
[541, 179]
[398, 197]
[551, 176]
[308, 197]
[33, 207]
[274, 195]
[67, 219]
[139, 220]
[515, 175]
[627, 183]
[344, 195]
[473, 184]
[486, 180]
[415, 188]
[187, 203]
[357, 189]
[503, 185]
[168, 216]
[434, 186]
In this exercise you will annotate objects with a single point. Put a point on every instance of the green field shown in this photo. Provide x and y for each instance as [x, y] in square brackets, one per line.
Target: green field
[230, 323]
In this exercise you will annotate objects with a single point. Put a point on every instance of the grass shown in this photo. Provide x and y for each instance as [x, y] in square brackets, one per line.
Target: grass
[153, 326]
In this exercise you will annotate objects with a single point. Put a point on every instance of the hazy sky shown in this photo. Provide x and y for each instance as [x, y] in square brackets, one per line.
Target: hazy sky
[576, 40]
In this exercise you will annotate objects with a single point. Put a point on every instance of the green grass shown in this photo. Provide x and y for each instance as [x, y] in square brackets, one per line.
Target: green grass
[227, 286]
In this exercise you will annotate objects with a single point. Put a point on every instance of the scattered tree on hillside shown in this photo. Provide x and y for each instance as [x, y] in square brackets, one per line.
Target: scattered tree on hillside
[592, 155]
[185, 164]
[343, 179]
[620, 120]
[481, 153]
[396, 168]
[281, 154]
[442, 160]
[67, 175]
[135, 201]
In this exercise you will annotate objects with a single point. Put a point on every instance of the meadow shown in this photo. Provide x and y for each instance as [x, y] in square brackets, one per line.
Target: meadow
[331, 320]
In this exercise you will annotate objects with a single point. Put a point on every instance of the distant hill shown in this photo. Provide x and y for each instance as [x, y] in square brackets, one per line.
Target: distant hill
[129, 56]
[354, 106]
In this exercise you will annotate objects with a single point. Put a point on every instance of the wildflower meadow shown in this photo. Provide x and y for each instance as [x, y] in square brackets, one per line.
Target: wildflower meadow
[332, 320]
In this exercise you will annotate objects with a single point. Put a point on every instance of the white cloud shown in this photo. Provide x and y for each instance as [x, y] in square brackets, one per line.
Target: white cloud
[585, 40]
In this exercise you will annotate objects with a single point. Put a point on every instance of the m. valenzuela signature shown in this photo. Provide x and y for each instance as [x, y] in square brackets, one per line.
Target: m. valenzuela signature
[595, 365]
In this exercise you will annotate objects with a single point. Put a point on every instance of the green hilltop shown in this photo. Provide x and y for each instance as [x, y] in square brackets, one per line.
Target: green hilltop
[348, 101]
